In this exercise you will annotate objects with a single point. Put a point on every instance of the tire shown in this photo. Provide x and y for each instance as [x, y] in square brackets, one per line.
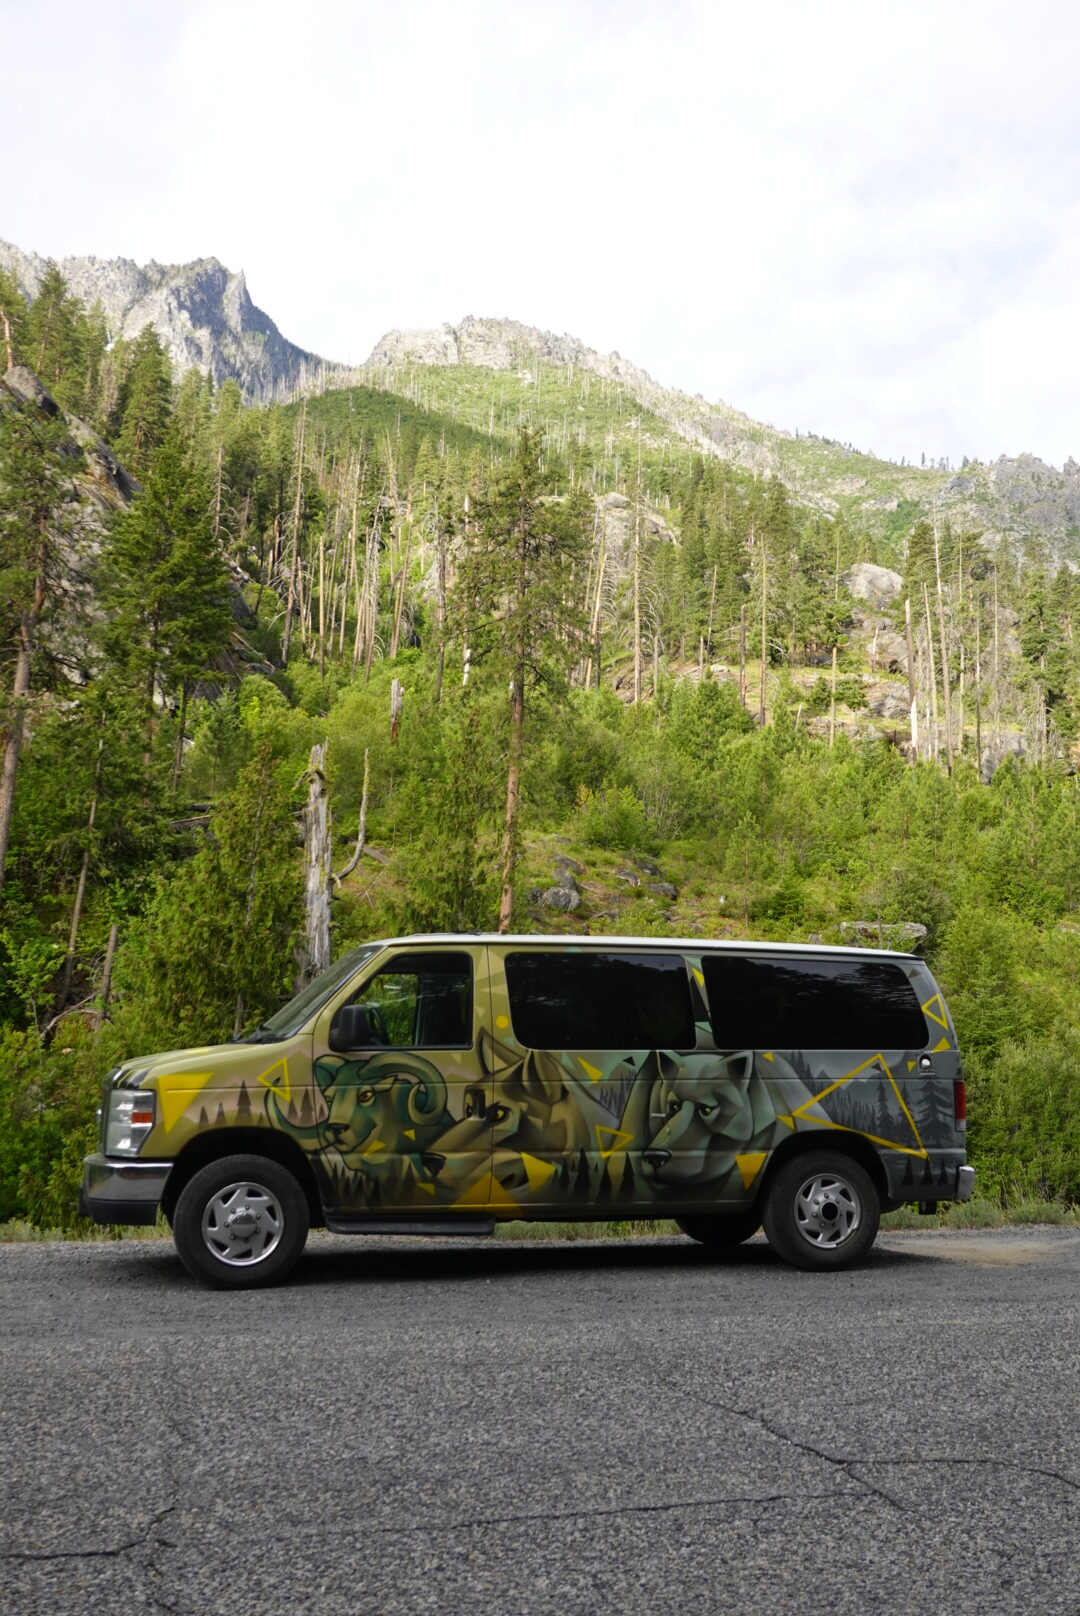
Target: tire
[822, 1211]
[721, 1231]
[270, 1223]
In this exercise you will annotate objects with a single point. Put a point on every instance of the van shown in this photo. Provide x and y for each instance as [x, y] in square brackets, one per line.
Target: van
[437, 1084]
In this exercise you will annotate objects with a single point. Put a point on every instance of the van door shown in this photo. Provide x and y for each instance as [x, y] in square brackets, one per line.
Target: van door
[584, 1039]
[404, 1120]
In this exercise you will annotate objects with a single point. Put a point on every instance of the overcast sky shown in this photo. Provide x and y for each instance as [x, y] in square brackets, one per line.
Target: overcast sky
[861, 219]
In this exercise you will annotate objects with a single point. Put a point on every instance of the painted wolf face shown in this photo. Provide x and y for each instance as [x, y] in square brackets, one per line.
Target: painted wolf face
[709, 1118]
[532, 1108]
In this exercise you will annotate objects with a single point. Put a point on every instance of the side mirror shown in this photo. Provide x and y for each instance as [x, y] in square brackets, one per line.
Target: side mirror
[350, 1029]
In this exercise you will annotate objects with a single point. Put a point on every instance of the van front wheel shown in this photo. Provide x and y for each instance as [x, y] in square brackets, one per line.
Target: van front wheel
[240, 1222]
[822, 1211]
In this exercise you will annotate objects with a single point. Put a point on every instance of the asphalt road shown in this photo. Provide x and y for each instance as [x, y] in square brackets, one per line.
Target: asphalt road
[514, 1428]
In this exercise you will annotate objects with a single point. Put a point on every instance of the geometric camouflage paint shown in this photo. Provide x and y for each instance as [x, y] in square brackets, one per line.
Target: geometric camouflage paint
[517, 1132]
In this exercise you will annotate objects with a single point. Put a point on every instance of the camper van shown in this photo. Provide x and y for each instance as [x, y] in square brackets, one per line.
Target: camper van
[437, 1084]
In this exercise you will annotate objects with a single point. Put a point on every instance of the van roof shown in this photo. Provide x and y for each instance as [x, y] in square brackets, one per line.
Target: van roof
[684, 944]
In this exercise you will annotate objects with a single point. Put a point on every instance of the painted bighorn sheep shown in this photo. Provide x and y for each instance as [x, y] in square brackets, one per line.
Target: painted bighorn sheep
[378, 1110]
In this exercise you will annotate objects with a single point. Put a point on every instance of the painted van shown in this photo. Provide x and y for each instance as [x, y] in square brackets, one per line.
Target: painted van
[436, 1084]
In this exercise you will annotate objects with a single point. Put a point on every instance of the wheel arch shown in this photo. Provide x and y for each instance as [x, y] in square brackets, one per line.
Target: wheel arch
[218, 1142]
[838, 1140]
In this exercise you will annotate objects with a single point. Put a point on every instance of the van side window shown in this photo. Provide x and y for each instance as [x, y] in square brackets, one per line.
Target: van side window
[787, 1002]
[420, 1001]
[600, 1001]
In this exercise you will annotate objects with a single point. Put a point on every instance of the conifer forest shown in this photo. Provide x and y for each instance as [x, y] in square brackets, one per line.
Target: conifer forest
[453, 650]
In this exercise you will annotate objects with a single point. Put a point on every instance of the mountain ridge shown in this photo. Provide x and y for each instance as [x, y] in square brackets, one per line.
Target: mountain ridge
[202, 312]
[206, 319]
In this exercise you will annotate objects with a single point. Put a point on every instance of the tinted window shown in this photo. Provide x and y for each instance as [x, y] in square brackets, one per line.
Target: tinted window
[420, 1001]
[792, 1003]
[600, 1001]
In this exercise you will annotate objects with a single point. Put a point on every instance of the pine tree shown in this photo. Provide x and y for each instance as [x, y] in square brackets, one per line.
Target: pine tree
[145, 403]
[53, 338]
[515, 586]
[39, 518]
[215, 948]
[12, 322]
[164, 584]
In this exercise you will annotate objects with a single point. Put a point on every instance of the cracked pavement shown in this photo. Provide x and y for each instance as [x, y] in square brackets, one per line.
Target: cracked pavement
[537, 1427]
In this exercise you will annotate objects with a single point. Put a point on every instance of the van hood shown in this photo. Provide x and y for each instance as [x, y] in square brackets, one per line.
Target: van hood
[133, 1073]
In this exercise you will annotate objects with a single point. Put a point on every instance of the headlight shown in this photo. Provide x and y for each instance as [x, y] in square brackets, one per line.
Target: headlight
[129, 1116]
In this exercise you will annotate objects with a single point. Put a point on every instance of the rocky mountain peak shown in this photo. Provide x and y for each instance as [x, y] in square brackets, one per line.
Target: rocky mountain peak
[202, 312]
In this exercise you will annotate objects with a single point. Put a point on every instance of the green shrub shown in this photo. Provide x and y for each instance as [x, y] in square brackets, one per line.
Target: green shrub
[1024, 1118]
[613, 817]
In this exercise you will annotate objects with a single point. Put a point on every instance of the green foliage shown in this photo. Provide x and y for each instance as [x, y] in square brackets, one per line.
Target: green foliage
[450, 872]
[612, 818]
[52, 338]
[1025, 1123]
[163, 580]
[422, 524]
[144, 403]
[214, 950]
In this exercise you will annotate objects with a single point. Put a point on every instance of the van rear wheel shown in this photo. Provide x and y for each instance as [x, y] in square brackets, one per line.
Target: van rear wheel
[822, 1211]
[239, 1222]
[721, 1231]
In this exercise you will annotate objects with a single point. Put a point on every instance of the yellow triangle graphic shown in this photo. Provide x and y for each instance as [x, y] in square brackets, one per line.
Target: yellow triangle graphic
[942, 1044]
[698, 977]
[882, 1064]
[276, 1078]
[373, 1147]
[410, 1133]
[937, 1015]
[174, 1102]
[617, 1140]
[593, 1073]
[789, 1122]
[428, 1189]
[750, 1166]
[766, 1054]
[487, 1191]
[911, 1066]
[536, 1171]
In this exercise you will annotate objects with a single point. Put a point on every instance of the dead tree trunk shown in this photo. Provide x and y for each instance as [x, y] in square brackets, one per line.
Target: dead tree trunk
[20, 692]
[944, 653]
[361, 834]
[294, 545]
[80, 891]
[913, 697]
[315, 950]
[106, 975]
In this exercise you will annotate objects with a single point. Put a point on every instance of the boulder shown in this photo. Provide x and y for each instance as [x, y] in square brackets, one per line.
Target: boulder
[646, 866]
[889, 651]
[879, 586]
[663, 889]
[994, 754]
[889, 701]
[565, 898]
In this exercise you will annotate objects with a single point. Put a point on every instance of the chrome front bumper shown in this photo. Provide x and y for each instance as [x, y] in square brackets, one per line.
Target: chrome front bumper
[122, 1191]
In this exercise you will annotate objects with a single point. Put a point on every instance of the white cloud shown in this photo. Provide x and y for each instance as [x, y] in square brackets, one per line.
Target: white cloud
[856, 218]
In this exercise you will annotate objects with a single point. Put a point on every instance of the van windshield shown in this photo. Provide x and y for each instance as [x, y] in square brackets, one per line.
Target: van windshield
[291, 1017]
